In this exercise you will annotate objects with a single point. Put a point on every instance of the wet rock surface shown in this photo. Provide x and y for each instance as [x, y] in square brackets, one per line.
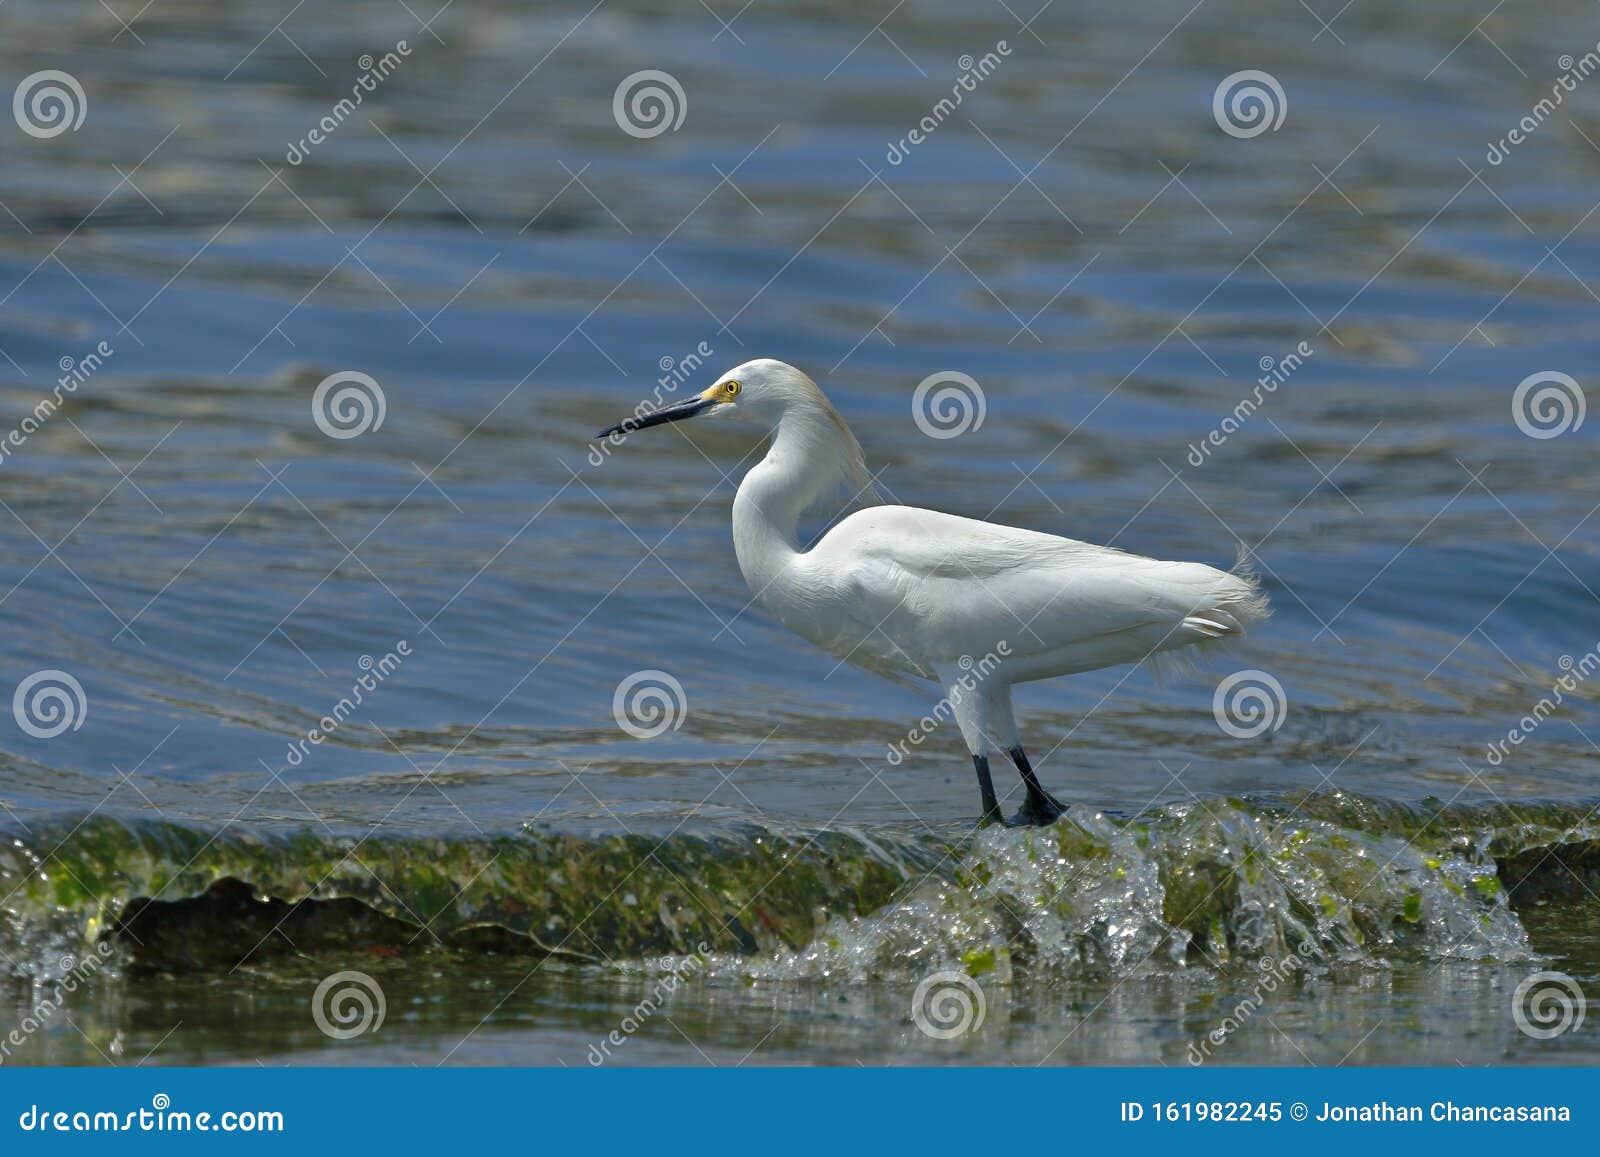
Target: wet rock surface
[1330, 879]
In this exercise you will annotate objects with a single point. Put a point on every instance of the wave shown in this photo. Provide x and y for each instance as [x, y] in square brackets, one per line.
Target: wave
[1324, 879]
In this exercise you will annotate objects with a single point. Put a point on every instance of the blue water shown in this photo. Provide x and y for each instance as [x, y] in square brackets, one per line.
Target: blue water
[484, 241]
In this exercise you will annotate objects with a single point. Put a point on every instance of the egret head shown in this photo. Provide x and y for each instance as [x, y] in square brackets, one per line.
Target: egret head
[762, 391]
[789, 406]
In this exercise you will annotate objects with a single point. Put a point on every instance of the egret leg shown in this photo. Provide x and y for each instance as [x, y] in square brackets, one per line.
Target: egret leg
[1041, 807]
[991, 806]
[972, 712]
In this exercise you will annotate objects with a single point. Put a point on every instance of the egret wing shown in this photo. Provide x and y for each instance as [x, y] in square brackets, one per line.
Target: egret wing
[938, 586]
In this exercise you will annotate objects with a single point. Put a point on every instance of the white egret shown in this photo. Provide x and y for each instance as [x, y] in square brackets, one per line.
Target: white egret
[910, 592]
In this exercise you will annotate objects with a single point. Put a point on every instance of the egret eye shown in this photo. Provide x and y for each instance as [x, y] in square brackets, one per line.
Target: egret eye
[730, 389]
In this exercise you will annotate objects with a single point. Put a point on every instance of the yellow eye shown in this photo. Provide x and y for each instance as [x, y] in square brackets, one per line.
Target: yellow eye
[730, 389]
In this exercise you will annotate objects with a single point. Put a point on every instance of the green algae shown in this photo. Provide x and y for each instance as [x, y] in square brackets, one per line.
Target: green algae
[1326, 877]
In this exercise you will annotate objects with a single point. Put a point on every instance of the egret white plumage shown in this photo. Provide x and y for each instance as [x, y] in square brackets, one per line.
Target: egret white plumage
[911, 592]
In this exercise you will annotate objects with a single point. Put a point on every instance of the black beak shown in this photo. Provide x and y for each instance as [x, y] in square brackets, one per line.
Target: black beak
[656, 417]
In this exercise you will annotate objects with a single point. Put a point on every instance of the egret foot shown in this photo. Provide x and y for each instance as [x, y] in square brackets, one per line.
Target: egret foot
[1040, 808]
[991, 806]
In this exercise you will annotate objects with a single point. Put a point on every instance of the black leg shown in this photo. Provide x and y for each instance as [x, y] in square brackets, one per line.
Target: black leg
[991, 806]
[1041, 807]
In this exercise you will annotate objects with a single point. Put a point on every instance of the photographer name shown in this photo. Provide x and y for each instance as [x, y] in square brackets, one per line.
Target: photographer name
[1383, 1111]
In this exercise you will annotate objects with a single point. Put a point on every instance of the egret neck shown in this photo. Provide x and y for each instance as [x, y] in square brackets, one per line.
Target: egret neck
[811, 456]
